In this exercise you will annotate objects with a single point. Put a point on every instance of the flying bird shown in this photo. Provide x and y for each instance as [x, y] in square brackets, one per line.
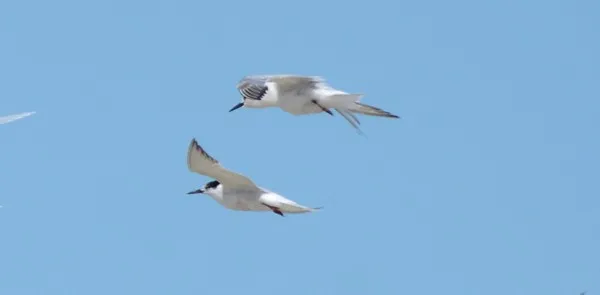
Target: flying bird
[10, 118]
[302, 95]
[235, 191]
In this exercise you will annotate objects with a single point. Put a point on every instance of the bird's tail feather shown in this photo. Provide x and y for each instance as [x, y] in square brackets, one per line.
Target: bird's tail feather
[351, 103]
[351, 118]
[297, 208]
[342, 100]
[366, 109]
[347, 105]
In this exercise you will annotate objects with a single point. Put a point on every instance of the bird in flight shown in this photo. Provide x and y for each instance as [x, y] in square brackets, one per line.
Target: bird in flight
[235, 191]
[302, 95]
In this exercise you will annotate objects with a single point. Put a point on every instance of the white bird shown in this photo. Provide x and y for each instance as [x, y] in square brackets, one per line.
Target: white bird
[235, 191]
[10, 118]
[302, 95]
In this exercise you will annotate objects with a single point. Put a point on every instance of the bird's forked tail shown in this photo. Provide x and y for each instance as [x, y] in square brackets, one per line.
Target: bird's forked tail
[366, 109]
[351, 102]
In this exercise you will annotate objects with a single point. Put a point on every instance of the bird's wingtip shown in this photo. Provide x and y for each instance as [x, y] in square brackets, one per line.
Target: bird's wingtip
[193, 143]
[191, 147]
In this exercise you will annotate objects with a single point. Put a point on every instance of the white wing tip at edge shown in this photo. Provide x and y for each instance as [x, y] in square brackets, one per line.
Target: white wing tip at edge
[25, 114]
[15, 117]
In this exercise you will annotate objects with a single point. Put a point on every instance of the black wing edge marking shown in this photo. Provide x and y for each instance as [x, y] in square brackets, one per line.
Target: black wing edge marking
[254, 92]
[203, 152]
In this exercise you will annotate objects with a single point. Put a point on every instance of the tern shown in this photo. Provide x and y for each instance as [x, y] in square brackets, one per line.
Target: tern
[10, 118]
[303, 95]
[235, 191]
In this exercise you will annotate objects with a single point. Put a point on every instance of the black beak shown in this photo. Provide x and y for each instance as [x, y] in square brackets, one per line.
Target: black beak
[237, 106]
[198, 191]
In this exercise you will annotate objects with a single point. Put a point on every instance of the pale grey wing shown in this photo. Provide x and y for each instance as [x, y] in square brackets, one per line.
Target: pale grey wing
[10, 118]
[201, 162]
[296, 84]
[253, 87]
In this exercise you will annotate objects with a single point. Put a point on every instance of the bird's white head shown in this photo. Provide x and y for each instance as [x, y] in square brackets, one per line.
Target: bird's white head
[213, 189]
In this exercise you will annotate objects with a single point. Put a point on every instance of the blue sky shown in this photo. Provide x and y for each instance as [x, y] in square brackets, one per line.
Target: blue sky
[487, 185]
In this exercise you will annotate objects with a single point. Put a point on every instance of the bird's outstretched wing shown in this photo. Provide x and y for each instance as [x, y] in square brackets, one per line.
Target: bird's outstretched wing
[295, 83]
[10, 118]
[201, 162]
[255, 86]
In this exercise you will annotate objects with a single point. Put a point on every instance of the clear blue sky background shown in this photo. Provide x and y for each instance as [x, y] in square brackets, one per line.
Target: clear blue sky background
[488, 185]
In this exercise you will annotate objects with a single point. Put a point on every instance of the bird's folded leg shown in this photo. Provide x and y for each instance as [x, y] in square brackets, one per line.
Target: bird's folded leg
[322, 108]
[274, 209]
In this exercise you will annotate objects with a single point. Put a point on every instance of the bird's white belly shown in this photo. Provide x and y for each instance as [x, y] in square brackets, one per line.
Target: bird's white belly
[242, 205]
[298, 105]
[242, 202]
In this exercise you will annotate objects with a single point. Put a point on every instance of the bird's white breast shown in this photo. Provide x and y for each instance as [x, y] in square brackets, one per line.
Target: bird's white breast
[271, 97]
[296, 103]
[241, 200]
